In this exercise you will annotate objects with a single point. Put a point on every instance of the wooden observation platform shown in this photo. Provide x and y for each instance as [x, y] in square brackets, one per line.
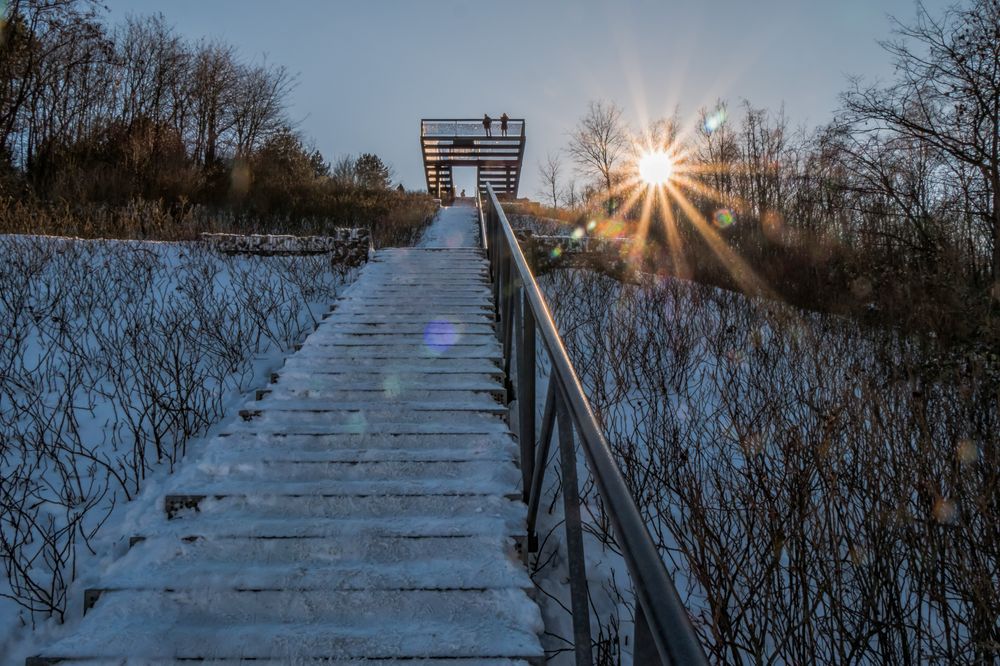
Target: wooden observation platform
[450, 143]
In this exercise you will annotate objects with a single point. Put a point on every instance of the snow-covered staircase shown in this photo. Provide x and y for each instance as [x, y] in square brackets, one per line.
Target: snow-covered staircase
[365, 508]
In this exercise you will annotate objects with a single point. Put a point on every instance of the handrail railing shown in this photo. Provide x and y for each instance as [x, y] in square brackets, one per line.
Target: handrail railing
[467, 127]
[663, 630]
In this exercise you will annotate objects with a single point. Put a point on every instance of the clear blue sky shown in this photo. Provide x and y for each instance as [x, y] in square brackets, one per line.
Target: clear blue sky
[368, 70]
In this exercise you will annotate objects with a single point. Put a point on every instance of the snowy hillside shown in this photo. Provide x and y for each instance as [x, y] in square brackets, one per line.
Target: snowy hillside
[117, 357]
[782, 459]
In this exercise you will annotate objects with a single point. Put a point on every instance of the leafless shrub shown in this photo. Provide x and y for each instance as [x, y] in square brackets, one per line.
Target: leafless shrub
[114, 356]
[822, 491]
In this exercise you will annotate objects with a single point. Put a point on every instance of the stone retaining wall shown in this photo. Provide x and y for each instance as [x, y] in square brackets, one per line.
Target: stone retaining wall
[345, 246]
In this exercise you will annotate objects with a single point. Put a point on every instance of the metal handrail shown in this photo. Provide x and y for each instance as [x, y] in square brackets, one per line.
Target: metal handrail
[663, 630]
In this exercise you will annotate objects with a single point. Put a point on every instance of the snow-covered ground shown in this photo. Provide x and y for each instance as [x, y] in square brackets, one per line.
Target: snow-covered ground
[774, 453]
[454, 226]
[118, 358]
[813, 484]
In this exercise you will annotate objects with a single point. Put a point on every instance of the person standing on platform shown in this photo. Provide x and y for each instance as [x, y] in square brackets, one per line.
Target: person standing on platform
[488, 124]
[503, 124]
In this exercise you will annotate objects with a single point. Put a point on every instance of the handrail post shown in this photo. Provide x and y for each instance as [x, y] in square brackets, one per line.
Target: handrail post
[483, 237]
[578, 589]
[526, 392]
[499, 279]
[541, 458]
[506, 312]
[507, 322]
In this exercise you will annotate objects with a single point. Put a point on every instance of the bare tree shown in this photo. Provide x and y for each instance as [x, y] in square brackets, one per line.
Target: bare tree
[260, 109]
[570, 194]
[47, 50]
[763, 143]
[716, 145]
[598, 144]
[945, 96]
[344, 171]
[214, 79]
[549, 171]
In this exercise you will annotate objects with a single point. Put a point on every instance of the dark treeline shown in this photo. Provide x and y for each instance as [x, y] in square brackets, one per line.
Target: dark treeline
[892, 210]
[94, 118]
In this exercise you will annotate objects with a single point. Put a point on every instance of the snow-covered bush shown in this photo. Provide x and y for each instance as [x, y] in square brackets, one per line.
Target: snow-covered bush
[114, 356]
[822, 492]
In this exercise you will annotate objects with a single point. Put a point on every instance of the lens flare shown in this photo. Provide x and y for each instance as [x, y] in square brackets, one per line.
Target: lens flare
[723, 218]
[357, 423]
[439, 335]
[715, 120]
[240, 178]
[656, 167]
[591, 225]
[945, 511]
[577, 233]
[392, 386]
[556, 252]
[967, 452]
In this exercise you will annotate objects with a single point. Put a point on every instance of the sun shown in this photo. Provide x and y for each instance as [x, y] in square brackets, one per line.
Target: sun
[656, 167]
[661, 185]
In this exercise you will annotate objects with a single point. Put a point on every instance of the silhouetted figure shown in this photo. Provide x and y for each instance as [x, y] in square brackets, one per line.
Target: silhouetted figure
[463, 192]
[503, 124]
[488, 124]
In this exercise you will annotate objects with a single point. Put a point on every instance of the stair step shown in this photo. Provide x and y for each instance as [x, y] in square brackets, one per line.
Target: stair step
[318, 384]
[433, 334]
[413, 311]
[389, 276]
[188, 525]
[413, 365]
[351, 478]
[377, 429]
[373, 624]
[372, 421]
[436, 346]
[388, 389]
[278, 442]
[423, 317]
[329, 515]
[379, 402]
[298, 456]
[417, 304]
[403, 353]
[366, 562]
[436, 296]
[119, 661]
[407, 328]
